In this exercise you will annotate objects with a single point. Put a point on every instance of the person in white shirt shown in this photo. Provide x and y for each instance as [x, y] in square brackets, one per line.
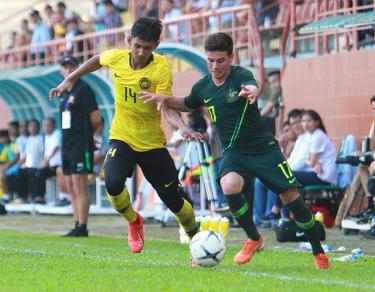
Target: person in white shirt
[34, 152]
[319, 167]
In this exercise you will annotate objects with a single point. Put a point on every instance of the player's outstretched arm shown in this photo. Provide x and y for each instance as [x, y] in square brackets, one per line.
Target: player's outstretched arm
[174, 118]
[90, 65]
[174, 102]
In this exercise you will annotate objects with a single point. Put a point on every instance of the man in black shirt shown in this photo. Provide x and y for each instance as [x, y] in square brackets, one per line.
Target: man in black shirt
[79, 119]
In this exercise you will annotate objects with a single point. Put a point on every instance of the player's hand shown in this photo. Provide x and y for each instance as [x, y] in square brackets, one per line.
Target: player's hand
[250, 92]
[152, 97]
[189, 134]
[318, 168]
[61, 88]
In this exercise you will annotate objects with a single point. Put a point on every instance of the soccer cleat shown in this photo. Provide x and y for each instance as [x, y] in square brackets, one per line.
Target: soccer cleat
[321, 261]
[135, 235]
[249, 248]
[71, 233]
[81, 232]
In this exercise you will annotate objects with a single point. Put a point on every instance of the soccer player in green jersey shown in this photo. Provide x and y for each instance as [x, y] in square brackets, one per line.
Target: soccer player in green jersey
[229, 94]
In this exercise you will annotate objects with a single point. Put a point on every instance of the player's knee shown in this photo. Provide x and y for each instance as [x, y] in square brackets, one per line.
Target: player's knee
[289, 196]
[230, 186]
[114, 184]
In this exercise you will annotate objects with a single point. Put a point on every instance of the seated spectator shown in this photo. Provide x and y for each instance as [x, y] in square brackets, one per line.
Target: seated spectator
[320, 167]
[7, 160]
[34, 153]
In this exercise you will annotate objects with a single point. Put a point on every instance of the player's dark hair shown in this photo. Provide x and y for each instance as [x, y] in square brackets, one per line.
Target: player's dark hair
[219, 42]
[372, 99]
[147, 29]
[316, 117]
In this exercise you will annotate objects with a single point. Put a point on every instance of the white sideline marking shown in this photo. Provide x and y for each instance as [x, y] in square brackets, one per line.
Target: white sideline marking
[170, 264]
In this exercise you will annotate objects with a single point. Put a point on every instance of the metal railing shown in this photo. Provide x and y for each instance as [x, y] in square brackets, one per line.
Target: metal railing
[334, 40]
[238, 21]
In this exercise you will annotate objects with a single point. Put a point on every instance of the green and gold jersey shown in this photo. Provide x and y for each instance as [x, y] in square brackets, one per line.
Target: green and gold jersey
[238, 122]
[137, 123]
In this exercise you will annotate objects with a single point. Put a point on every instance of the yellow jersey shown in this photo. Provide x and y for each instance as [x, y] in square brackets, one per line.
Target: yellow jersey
[137, 123]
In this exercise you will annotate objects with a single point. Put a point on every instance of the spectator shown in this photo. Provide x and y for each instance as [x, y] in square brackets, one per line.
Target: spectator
[269, 108]
[40, 35]
[320, 166]
[7, 160]
[110, 19]
[49, 19]
[225, 19]
[52, 149]
[11, 57]
[73, 31]
[175, 32]
[365, 173]
[34, 162]
[26, 32]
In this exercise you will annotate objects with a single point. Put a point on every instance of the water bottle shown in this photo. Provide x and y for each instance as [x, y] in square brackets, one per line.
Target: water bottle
[319, 217]
[214, 223]
[205, 223]
[358, 251]
[224, 227]
[346, 258]
[327, 247]
[304, 246]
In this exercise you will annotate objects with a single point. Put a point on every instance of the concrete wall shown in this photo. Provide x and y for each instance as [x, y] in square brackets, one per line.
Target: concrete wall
[339, 87]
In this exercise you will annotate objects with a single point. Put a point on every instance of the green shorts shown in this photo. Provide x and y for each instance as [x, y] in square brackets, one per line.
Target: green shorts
[271, 168]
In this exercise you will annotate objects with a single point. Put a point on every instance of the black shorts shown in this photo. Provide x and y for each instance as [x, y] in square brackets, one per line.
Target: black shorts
[77, 162]
[271, 168]
[157, 165]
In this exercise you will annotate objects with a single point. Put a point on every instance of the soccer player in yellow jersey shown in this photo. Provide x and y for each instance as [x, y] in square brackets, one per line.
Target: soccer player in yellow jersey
[136, 136]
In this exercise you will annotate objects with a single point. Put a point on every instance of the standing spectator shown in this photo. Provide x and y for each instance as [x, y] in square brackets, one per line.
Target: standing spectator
[48, 10]
[41, 34]
[269, 108]
[80, 117]
[21, 176]
[7, 159]
[72, 31]
[110, 19]
[175, 32]
[11, 57]
[26, 31]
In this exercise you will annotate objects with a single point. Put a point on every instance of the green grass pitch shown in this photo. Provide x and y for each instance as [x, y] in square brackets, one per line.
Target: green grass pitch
[39, 262]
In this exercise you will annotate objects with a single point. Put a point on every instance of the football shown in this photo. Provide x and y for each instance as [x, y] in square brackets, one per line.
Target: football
[207, 248]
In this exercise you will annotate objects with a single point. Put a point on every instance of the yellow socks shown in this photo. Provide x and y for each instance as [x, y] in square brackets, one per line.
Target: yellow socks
[122, 204]
[186, 219]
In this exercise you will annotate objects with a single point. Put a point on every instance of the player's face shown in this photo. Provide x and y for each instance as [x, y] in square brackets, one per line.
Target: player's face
[219, 63]
[66, 69]
[141, 50]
